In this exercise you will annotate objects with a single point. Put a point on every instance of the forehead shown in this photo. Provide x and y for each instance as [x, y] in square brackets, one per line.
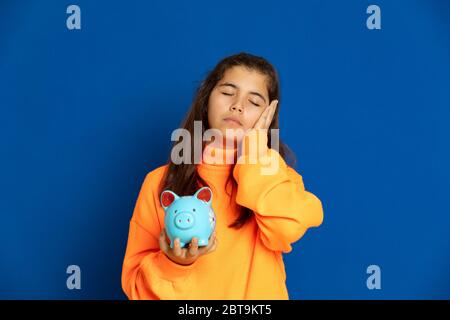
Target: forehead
[246, 79]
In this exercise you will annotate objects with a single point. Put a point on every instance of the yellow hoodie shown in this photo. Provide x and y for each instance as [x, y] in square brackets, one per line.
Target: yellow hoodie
[248, 262]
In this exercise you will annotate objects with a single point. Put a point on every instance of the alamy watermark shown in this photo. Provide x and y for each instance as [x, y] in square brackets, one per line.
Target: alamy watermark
[374, 20]
[374, 280]
[74, 280]
[251, 147]
[73, 22]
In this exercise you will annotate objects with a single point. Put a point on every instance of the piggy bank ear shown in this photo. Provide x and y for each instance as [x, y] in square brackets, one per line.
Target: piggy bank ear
[204, 194]
[167, 198]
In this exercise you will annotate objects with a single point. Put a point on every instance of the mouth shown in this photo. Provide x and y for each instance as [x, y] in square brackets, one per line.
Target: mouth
[232, 121]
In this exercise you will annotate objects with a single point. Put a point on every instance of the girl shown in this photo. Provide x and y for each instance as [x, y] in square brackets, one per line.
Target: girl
[258, 216]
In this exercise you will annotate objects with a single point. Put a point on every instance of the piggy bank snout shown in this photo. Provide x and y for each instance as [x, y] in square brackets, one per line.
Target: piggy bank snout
[184, 220]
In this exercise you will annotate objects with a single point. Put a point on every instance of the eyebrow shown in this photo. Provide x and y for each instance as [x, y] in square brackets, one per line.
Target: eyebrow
[228, 84]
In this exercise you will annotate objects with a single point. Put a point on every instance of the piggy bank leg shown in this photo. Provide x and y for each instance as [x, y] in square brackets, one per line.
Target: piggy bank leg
[202, 242]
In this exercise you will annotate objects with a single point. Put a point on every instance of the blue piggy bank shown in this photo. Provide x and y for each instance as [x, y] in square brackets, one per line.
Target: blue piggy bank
[189, 216]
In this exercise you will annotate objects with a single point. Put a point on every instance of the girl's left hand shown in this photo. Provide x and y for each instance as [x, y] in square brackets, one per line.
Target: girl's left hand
[264, 121]
[260, 129]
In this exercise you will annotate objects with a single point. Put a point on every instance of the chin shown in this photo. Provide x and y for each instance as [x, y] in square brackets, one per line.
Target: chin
[233, 133]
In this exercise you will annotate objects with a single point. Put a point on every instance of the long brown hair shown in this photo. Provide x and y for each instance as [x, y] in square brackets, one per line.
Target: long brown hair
[183, 179]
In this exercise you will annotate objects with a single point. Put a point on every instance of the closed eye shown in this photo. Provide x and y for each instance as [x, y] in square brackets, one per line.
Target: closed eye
[227, 94]
[255, 104]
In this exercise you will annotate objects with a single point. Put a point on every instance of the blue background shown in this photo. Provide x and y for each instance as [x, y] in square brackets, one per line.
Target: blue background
[85, 114]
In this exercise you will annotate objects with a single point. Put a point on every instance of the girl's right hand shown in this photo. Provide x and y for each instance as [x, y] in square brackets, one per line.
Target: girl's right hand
[186, 256]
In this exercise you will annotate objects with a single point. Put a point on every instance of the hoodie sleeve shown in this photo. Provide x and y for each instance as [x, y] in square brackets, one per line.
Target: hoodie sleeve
[275, 192]
[147, 273]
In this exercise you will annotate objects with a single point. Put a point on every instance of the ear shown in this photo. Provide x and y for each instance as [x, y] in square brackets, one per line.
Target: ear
[167, 198]
[204, 194]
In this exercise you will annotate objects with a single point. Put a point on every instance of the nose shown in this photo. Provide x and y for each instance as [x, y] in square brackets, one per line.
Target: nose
[237, 107]
[184, 220]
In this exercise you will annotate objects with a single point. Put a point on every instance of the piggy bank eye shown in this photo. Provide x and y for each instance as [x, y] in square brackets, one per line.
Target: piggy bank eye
[193, 209]
[175, 211]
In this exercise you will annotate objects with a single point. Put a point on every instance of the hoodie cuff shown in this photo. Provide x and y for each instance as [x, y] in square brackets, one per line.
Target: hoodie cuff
[166, 268]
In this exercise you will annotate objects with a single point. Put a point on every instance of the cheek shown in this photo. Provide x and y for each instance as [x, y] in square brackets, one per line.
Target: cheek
[217, 108]
[252, 116]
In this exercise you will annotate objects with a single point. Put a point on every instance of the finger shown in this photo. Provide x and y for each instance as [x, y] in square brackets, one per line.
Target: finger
[193, 247]
[167, 238]
[211, 243]
[176, 248]
[274, 103]
[269, 117]
[213, 236]
[270, 113]
[273, 108]
[162, 241]
[211, 239]
[262, 118]
[213, 246]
